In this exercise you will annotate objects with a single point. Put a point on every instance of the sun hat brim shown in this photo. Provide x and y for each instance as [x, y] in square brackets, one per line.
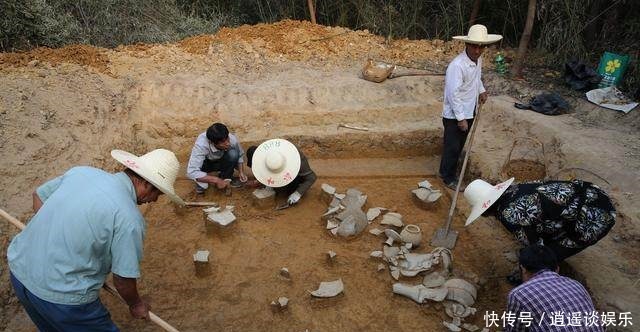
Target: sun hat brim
[478, 209]
[283, 176]
[490, 39]
[138, 165]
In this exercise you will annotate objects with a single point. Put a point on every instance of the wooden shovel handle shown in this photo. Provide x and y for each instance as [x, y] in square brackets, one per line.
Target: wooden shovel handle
[110, 289]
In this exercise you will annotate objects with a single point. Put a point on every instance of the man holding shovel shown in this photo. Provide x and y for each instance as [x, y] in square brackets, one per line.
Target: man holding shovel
[462, 92]
[87, 225]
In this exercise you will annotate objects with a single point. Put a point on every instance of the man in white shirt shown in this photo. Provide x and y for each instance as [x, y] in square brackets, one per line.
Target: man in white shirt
[462, 92]
[216, 150]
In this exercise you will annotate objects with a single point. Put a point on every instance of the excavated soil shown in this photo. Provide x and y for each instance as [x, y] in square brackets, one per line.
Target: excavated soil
[71, 106]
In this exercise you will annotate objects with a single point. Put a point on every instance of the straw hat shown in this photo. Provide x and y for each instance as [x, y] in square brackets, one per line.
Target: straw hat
[478, 35]
[481, 195]
[275, 163]
[159, 167]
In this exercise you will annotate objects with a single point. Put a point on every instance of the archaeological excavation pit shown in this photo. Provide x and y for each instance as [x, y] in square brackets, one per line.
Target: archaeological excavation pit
[245, 258]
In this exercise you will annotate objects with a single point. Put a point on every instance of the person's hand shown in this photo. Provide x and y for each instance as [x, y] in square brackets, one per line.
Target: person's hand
[221, 184]
[463, 125]
[243, 177]
[483, 97]
[294, 198]
[140, 310]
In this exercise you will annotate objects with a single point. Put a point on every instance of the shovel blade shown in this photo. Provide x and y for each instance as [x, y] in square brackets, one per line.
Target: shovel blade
[444, 239]
[282, 207]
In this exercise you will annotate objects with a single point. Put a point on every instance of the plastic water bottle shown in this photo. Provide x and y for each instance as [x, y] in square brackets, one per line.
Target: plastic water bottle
[501, 66]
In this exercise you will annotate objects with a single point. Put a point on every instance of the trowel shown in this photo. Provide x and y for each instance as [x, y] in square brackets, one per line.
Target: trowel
[286, 205]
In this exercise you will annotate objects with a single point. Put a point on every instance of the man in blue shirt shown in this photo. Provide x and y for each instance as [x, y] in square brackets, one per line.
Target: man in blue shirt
[87, 225]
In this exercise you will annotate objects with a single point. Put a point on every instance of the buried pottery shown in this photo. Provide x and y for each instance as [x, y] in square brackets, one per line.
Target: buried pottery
[419, 293]
[411, 234]
[280, 304]
[412, 264]
[391, 236]
[329, 289]
[461, 291]
[375, 231]
[457, 310]
[433, 279]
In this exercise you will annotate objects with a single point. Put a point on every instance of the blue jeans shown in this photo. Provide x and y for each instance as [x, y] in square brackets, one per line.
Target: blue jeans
[224, 165]
[49, 316]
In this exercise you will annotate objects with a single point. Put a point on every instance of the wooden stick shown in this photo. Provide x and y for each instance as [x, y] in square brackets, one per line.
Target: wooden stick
[352, 127]
[106, 286]
[201, 204]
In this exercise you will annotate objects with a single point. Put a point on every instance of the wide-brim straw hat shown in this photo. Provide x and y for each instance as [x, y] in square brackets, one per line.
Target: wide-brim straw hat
[275, 163]
[478, 35]
[160, 167]
[481, 195]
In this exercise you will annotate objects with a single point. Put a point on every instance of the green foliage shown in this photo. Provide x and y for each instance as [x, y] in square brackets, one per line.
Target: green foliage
[563, 28]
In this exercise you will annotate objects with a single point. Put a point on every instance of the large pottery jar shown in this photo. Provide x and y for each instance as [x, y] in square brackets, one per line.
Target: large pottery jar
[411, 234]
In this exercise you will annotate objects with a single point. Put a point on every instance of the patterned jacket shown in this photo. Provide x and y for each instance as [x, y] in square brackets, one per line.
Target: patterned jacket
[574, 214]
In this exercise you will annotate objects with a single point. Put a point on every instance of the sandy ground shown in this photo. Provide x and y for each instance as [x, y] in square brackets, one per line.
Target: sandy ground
[71, 106]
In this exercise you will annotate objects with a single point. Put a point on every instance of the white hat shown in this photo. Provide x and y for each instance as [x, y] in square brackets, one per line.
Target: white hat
[275, 163]
[478, 35]
[481, 195]
[159, 167]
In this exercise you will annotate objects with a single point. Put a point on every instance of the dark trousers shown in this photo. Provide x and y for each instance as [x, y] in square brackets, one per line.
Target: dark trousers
[224, 165]
[53, 317]
[454, 139]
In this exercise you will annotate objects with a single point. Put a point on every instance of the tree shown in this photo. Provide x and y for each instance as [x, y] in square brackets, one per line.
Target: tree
[524, 40]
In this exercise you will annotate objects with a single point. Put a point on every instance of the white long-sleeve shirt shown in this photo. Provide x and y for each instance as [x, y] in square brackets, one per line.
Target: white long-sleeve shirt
[204, 149]
[462, 85]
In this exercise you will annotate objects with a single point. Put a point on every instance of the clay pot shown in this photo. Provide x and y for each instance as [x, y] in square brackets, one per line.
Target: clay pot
[411, 234]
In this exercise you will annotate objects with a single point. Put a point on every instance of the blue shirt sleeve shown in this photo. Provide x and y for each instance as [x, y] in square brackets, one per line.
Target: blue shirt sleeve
[45, 190]
[126, 248]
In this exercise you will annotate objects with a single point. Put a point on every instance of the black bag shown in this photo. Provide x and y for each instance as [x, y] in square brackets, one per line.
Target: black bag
[546, 103]
[580, 77]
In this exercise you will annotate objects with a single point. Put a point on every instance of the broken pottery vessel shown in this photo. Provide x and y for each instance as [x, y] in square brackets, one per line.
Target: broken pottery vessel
[393, 219]
[412, 264]
[461, 291]
[419, 293]
[457, 310]
[329, 289]
[353, 222]
[222, 217]
[327, 193]
[433, 279]
[354, 199]
[411, 234]
[392, 236]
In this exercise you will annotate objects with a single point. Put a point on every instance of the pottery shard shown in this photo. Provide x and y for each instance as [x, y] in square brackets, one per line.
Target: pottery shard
[331, 254]
[264, 198]
[412, 264]
[222, 217]
[433, 279]
[425, 184]
[280, 303]
[381, 267]
[452, 327]
[427, 195]
[332, 223]
[263, 193]
[419, 293]
[457, 310]
[329, 289]
[375, 231]
[373, 213]
[285, 273]
[470, 327]
[393, 219]
[327, 193]
[461, 291]
[201, 256]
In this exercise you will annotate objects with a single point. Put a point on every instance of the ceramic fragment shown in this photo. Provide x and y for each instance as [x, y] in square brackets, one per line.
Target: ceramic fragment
[373, 213]
[201, 256]
[376, 254]
[329, 289]
[331, 254]
[376, 231]
[452, 327]
[393, 219]
[285, 272]
[419, 293]
[263, 193]
[328, 189]
[470, 327]
[381, 267]
[332, 223]
[433, 279]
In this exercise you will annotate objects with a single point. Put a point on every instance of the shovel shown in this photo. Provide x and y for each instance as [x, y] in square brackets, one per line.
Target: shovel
[110, 289]
[286, 205]
[380, 72]
[445, 237]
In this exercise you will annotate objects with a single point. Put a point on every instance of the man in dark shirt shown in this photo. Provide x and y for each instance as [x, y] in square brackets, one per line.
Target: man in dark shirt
[566, 216]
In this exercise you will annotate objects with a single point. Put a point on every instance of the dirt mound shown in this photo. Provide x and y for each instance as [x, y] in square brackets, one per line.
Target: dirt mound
[79, 54]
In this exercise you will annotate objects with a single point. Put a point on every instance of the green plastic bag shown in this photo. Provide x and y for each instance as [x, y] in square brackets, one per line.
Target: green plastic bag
[612, 67]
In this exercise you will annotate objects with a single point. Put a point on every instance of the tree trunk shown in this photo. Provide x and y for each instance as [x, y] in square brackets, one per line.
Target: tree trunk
[524, 40]
[312, 11]
[474, 12]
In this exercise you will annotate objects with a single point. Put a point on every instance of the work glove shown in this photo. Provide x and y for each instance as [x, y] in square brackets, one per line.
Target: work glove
[294, 198]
